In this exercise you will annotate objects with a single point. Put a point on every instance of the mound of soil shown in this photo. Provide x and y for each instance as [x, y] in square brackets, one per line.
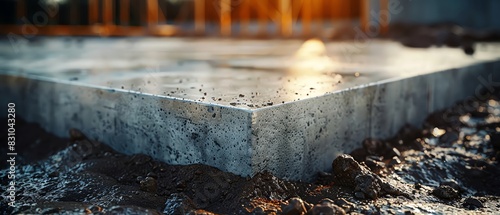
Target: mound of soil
[448, 166]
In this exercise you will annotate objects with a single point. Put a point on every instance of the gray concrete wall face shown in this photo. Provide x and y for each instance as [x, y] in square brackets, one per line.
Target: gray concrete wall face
[100, 89]
[297, 140]
[174, 131]
[294, 140]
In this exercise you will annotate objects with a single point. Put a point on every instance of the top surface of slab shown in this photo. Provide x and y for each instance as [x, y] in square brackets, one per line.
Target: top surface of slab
[247, 74]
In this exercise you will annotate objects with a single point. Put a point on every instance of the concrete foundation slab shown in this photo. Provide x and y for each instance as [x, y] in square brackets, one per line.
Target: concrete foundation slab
[243, 106]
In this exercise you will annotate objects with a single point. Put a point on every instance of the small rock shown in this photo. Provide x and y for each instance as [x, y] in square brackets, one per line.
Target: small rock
[359, 195]
[308, 206]
[258, 211]
[375, 158]
[75, 135]
[374, 147]
[326, 207]
[359, 154]
[295, 207]
[369, 185]
[445, 192]
[394, 152]
[349, 172]
[326, 200]
[409, 213]
[345, 169]
[324, 174]
[149, 184]
[473, 203]
[448, 138]
[51, 211]
[152, 175]
[475, 172]
[344, 204]
[417, 144]
[94, 209]
[86, 148]
[140, 159]
[139, 179]
[417, 186]
[181, 185]
[200, 212]
[178, 204]
[394, 161]
[54, 174]
[128, 210]
[495, 140]
[468, 48]
[453, 184]
[375, 165]
[324, 177]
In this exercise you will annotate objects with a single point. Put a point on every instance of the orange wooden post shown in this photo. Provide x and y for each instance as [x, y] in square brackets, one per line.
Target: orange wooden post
[152, 13]
[317, 16]
[306, 18]
[286, 18]
[199, 16]
[384, 24]
[365, 14]
[161, 11]
[225, 17]
[107, 10]
[107, 18]
[93, 11]
[262, 15]
[244, 10]
[124, 12]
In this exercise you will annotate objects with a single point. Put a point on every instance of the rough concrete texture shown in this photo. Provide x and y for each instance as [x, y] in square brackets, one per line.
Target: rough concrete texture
[243, 107]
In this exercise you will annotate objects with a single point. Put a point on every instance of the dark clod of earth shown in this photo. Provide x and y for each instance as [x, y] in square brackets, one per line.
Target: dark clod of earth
[449, 166]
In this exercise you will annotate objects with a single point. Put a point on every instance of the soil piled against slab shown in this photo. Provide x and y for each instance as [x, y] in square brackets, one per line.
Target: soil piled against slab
[449, 166]
[443, 34]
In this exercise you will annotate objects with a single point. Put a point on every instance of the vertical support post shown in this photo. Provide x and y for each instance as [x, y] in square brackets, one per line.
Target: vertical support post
[306, 18]
[93, 11]
[199, 16]
[286, 18]
[74, 12]
[244, 10]
[107, 17]
[384, 24]
[161, 12]
[317, 16]
[262, 16]
[152, 13]
[124, 12]
[107, 9]
[365, 14]
[225, 17]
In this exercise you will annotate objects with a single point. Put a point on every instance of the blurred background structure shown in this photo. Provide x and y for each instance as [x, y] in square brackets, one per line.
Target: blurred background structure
[235, 18]
[245, 18]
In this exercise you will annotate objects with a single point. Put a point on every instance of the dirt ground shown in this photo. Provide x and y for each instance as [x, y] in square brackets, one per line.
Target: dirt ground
[448, 166]
[442, 34]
